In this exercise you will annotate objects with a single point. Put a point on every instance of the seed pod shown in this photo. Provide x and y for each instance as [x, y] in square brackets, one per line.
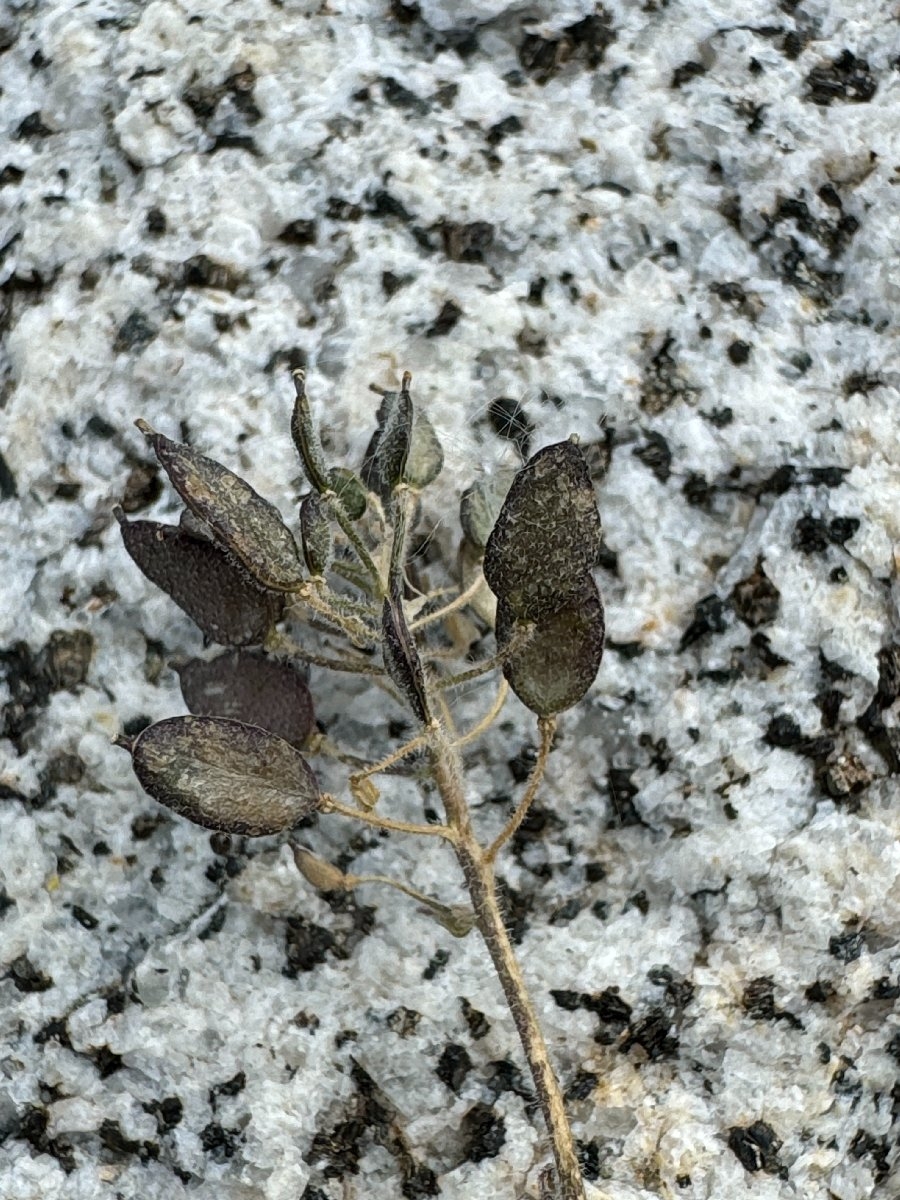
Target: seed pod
[426, 455]
[559, 661]
[392, 441]
[225, 775]
[547, 537]
[424, 458]
[238, 518]
[350, 490]
[253, 689]
[401, 658]
[216, 593]
[323, 876]
[315, 534]
[306, 439]
[480, 505]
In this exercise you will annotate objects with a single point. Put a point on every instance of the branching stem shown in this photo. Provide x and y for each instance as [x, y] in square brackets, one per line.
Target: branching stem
[479, 876]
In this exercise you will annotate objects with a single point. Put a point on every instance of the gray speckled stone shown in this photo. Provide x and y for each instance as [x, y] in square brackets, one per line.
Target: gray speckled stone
[661, 228]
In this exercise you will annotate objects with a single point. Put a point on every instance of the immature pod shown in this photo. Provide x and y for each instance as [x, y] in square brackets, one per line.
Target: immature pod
[388, 450]
[426, 454]
[398, 419]
[401, 658]
[252, 688]
[305, 436]
[315, 534]
[547, 536]
[225, 775]
[236, 515]
[480, 505]
[216, 593]
[350, 490]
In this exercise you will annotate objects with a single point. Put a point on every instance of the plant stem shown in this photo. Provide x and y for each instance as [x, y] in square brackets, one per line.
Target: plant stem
[546, 729]
[479, 876]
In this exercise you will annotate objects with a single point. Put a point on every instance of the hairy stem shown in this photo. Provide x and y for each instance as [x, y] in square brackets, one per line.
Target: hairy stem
[479, 876]
[546, 729]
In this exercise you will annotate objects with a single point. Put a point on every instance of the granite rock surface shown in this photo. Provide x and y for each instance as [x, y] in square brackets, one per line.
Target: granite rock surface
[663, 227]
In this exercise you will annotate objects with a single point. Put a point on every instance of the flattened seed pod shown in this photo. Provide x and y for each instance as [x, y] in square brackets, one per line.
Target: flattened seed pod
[389, 448]
[253, 689]
[236, 515]
[225, 775]
[426, 454]
[350, 490]
[315, 534]
[480, 505]
[401, 658]
[556, 666]
[547, 536]
[218, 595]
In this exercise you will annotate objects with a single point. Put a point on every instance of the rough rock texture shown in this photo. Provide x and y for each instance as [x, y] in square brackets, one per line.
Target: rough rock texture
[664, 227]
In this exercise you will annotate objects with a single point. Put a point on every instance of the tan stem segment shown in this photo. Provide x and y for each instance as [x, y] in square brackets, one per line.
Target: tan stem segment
[479, 877]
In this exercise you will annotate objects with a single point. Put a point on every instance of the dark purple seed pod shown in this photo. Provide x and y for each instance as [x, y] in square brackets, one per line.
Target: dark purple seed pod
[252, 688]
[315, 534]
[239, 519]
[547, 536]
[216, 593]
[558, 662]
[225, 775]
[401, 658]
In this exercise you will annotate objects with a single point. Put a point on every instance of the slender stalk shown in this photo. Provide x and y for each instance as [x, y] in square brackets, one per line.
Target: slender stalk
[339, 513]
[479, 876]
[330, 804]
[459, 602]
[546, 728]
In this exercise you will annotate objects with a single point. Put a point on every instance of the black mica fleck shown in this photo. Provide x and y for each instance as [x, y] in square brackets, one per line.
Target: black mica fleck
[847, 947]
[756, 1147]
[709, 617]
[446, 320]
[846, 78]
[27, 977]
[483, 1133]
[453, 1066]
[655, 454]
[510, 421]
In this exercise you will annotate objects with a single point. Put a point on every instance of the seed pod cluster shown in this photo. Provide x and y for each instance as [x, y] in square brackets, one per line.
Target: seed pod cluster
[538, 562]
[238, 518]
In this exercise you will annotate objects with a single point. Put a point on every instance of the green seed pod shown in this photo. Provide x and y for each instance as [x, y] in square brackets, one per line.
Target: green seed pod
[426, 455]
[315, 534]
[350, 490]
[480, 505]
[306, 439]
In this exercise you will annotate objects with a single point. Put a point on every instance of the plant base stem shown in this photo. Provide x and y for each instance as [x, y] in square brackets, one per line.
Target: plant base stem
[479, 876]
